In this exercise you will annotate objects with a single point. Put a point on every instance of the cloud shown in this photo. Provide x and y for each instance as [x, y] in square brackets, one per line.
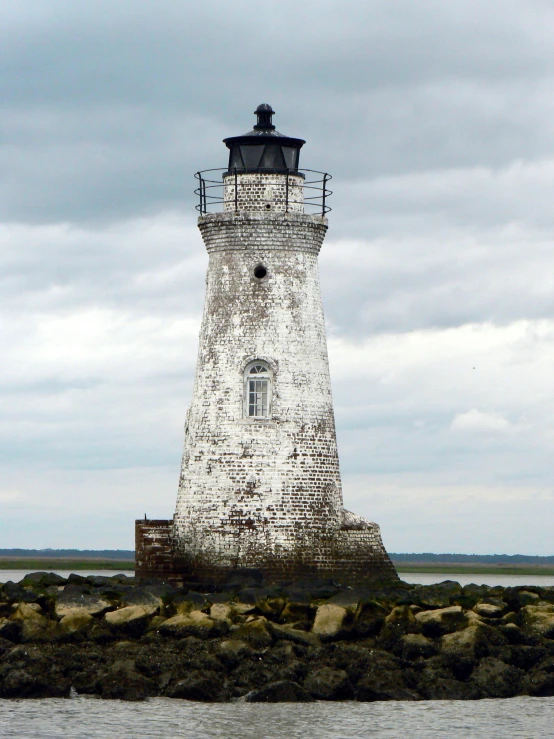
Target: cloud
[475, 421]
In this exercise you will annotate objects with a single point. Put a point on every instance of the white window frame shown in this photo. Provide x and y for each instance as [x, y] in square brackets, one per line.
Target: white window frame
[265, 376]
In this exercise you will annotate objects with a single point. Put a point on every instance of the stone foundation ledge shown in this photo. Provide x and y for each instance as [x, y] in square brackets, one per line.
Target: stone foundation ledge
[309, 640]
[354, 555]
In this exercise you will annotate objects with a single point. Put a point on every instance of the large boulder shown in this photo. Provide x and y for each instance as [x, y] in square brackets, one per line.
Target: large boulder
[198, 686]
[441, 621]
[10, 630]
[415, 646]
[330, 621]
[400, 621]
[436, 683]
[280, 691]
[369, 618]
[329, 685]
[34, 624]
[76, 621]
[195, 623]
[123, 682]
[255, 632]
[130, 620]
[297, 636]
[75, 597]
[538, 619]
[488, 610]
[495, 679]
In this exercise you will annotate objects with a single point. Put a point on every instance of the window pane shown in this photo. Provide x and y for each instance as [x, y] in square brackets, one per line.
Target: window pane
[290, 156]
[252, 155]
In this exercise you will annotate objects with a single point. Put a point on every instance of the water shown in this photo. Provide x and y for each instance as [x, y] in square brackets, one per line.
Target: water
[419, 578]
[428, 578]
[163, 718]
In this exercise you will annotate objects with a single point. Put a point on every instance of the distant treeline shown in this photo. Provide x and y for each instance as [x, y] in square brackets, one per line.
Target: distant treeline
[513, 559]
[70, 553]
[413, 557]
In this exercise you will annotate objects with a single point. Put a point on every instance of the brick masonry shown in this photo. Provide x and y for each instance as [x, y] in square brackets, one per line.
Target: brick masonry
[255, 492]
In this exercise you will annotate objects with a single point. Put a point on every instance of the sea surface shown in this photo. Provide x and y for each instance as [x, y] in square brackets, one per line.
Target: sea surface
[420, 578]
[164, 718]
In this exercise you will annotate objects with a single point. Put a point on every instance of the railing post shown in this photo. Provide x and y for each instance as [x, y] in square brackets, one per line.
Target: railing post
[236, 192]
[205, 206]
[287, 194]
[324, 192]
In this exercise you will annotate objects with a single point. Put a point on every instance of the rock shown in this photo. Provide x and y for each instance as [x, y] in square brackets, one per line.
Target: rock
[195, 623]
[76, 621]
[19, 683]
[185, 604]
[495, 679]
[43, 578]
[527, 598]
[329, 621]
[14, 593]
[142, 597]
[513, 633]
[440, 685]
[329, 685]
[438, 595]
[294, 612]
[442, 621]
[122, 682]
[384, 686]
[539, 683]
[297, 636]
[34, 624]
[131, 620]
[279, 692]
[232, 651]
[198, 686]
[72, 598]
[271, 607]
[255, 632]
[462, 650]
[10, 630]
[488, 610]
[538, 619]
[244, 577]
[400, 621]
[369, 618]
[415, 646]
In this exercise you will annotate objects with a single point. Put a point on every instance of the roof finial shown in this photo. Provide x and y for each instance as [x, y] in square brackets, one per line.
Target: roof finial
[264, 113]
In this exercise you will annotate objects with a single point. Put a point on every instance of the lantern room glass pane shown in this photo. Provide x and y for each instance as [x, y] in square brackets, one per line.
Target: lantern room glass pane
[235, 159]
[251, 155]
[291, 156]
[272, 158]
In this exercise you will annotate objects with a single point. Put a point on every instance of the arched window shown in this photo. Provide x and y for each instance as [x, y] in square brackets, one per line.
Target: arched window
[257, 387]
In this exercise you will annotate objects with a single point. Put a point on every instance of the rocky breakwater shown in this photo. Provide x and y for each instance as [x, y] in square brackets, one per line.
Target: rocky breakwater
[114, 638]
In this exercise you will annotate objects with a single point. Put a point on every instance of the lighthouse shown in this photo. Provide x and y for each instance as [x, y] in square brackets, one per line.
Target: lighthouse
[260, 483]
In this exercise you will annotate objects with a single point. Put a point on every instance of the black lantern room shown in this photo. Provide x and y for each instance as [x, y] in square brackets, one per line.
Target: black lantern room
[264, 149]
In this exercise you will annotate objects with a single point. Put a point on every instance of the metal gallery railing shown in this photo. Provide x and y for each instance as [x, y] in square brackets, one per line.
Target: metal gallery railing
[211, 191]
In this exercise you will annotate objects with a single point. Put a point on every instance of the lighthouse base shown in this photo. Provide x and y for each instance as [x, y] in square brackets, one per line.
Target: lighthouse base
[353, 555]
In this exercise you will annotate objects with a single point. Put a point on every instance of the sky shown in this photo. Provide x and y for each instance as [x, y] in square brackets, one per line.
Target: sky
[436, 120]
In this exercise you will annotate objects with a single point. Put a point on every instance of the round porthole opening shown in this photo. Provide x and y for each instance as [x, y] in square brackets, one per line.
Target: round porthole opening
[268, 206]
[260, 271]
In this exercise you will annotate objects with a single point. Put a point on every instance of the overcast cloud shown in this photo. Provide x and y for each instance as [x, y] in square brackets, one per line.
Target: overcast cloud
[436, 120]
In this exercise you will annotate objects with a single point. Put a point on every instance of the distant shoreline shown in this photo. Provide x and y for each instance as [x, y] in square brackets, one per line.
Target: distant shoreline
[449, 568]
[60, 563]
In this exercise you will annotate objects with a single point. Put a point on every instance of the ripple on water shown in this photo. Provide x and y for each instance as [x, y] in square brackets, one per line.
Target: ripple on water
[162, 718]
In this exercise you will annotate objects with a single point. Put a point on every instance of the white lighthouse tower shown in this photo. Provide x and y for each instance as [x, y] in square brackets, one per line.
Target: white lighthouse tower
[260, 482]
